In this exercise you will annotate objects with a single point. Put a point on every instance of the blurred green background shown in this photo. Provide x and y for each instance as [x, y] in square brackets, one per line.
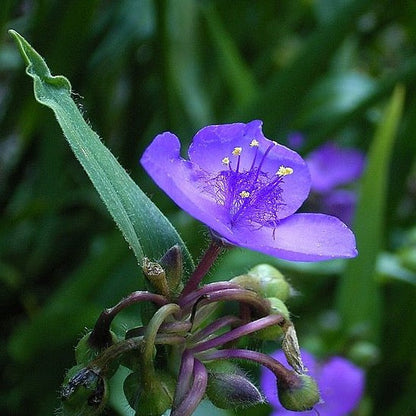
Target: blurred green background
[325, 68]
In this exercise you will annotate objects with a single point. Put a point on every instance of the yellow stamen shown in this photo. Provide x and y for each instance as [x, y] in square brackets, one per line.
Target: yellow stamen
[226, 161]
[254, 143]
[237, 151]
[284, 170]
[244, 194]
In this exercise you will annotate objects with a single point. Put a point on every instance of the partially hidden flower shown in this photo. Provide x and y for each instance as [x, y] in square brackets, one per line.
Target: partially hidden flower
[333, 170]
[247, 188]
[341, 385]
[332, 166]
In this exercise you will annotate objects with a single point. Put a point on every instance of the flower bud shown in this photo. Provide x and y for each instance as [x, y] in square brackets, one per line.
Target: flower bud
[265, 280]
[274, 331]
[298, 396]
[87, 350]
[271, 281]
[172, 263]
[149, 395]
[228, 391]
[84, 392]
[156, 275]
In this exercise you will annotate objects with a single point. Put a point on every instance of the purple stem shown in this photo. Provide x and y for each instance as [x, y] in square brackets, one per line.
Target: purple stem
[195, 394]
[240, 295]
[239, 332]
[280, 371]
[191, 298]
[184, 378]
[213, 327]
[100, 334]
[202, 268]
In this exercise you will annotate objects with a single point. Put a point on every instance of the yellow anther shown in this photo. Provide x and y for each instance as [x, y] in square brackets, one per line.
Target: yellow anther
[237, 151]
[244, 194]
[284, 170]
[226, 161]
[254, 143]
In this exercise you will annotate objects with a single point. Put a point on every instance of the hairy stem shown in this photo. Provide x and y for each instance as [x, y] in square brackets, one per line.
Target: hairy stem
[202, 268]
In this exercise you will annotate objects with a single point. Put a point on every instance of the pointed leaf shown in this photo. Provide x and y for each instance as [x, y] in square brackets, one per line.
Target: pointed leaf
[145, 228]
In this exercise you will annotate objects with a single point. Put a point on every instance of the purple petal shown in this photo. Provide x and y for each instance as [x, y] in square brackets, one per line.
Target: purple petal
[176, 177]
[300, 237]
[331, 166]
[342, 385]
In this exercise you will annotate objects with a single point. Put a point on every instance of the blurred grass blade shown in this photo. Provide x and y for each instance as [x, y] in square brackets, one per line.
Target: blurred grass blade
[359, 299]
[145, 228]
[240, 80]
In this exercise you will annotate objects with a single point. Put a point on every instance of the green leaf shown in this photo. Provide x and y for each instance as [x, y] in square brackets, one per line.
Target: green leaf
[359, 298]
[145, 228]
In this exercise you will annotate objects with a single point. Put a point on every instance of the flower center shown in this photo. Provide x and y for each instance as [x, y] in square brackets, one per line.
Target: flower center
[251, 195]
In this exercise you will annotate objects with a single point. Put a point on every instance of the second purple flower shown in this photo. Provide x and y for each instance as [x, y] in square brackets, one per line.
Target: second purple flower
[247, 188]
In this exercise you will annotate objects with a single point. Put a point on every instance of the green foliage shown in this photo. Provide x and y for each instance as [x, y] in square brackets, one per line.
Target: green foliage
[325, 68]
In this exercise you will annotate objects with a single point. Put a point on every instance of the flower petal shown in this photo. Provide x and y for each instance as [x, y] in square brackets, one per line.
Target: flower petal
[300, 237]
[339, 378]
[213, 143]
[178, 178]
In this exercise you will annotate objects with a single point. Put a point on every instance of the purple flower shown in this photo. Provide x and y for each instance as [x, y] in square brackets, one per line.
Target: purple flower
[247, 189]
[332, 167]
[340, 382]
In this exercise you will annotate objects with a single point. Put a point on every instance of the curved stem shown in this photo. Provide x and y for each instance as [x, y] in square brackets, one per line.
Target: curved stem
[196, 392]
[202, 268]
[261, 306]
[151, 332]
[100, 336]
[280, 371]
[184, 378]
[213, 327]
[188, 300]
[176, 327]
[239, 332]
[102, 362]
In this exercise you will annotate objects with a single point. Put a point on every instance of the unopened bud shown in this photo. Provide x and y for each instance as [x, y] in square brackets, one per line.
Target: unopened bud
[265, 280]
[149, 396]
[172, 263]
[228, 391]
[84, 392]
[272, 282]
[277, 307]
[300, 395]
[156, 275]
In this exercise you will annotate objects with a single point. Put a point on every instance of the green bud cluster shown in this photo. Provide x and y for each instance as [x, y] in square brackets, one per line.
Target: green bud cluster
[152, 351]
